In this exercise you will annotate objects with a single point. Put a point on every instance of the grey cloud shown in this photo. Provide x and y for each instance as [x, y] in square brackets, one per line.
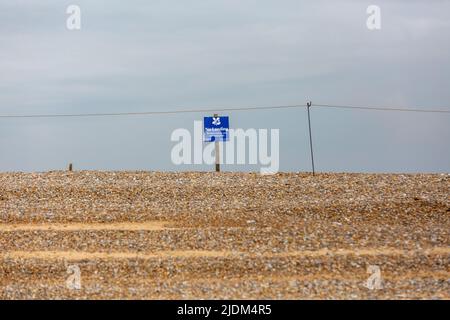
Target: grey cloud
[153, 55]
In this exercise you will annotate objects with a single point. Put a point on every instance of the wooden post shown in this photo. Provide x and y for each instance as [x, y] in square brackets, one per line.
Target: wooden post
[217, 150]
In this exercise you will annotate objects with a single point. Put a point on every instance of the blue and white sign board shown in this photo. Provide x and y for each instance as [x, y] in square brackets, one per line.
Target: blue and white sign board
[215, 129]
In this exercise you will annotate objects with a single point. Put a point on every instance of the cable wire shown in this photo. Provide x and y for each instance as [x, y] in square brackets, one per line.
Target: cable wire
[383, 108]
[213, 110]
[150, 112]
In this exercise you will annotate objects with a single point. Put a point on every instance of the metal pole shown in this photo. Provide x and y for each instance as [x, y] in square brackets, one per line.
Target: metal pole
[310, 137]
[217, 150]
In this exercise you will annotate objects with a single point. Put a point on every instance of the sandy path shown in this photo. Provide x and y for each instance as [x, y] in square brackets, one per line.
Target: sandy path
[125, 226]
[80, 255]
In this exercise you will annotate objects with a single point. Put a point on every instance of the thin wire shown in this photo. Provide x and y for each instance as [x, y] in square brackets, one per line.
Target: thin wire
[221, 109]
[382, 108]
[149, 112]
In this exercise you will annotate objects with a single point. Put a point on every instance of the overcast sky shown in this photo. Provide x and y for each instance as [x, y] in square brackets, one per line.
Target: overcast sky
[160, 55]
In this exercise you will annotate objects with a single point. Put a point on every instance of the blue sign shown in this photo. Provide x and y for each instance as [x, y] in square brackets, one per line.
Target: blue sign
[215, 129]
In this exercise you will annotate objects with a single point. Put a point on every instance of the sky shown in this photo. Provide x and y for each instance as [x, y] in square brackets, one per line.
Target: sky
[150, 55]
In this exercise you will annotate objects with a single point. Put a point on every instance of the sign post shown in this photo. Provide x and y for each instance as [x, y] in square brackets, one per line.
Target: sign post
[217, 150]
[216, 129]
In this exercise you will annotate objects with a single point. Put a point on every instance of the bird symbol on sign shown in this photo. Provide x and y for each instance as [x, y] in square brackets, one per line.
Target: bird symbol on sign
[216, 121]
